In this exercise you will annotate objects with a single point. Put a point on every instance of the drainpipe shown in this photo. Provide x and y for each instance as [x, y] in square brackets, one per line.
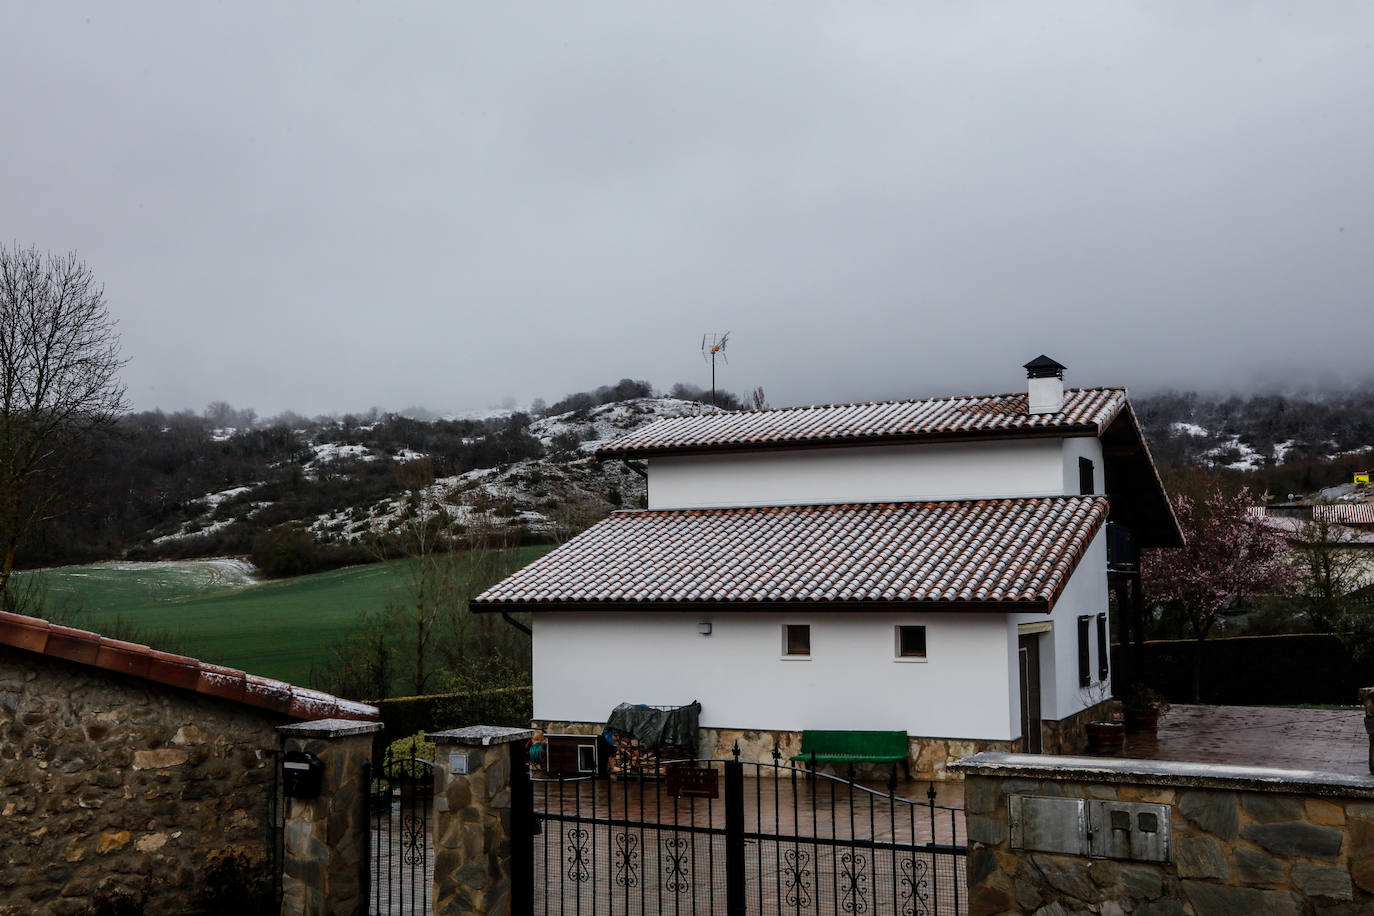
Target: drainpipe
[505, 615]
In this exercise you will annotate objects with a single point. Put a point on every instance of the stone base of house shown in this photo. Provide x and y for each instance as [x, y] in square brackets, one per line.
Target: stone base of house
[1069, 736]
[928, 757]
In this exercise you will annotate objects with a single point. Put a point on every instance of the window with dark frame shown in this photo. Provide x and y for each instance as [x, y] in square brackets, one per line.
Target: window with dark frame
[1103, 664]
[1085, 477]
[911, 642]
[1085, 675]
[796, 639]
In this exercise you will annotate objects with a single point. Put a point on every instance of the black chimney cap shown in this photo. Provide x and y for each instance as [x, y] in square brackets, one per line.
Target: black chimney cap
[1044, 367]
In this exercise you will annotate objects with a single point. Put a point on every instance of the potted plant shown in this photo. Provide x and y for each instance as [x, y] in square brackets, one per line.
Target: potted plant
[1143, 706]
[1105, 736]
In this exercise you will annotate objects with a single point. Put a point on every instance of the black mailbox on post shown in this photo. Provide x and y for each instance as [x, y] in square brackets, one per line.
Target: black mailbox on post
[302, 774]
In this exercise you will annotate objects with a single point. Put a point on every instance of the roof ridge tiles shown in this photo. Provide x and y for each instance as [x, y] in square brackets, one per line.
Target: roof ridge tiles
[34, 634]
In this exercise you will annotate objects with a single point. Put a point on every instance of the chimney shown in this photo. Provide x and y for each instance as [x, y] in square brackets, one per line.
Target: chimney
[1046, 386]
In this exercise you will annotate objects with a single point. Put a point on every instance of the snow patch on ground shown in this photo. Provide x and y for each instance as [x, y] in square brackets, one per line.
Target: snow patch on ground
[611, 421]
[187, 530]
[1281, 450]
[327, 452]
[211, 500]
[1249, 460]
[1188, 429]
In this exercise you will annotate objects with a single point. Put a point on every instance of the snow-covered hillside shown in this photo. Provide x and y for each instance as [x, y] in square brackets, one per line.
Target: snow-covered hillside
[550, 496]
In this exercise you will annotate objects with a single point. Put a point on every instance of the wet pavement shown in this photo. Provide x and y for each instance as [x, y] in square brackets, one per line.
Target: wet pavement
[1330, 740]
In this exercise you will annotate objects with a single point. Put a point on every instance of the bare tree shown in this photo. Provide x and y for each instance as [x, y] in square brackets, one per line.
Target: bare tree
[1329, 567]
[59, 382]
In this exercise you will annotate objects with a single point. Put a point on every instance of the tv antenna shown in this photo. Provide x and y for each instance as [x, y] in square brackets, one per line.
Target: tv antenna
[711, 346]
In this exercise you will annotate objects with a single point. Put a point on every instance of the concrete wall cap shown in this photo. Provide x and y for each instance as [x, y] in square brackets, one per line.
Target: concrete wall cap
[1167, 773]
[329, 728]
[481, 735]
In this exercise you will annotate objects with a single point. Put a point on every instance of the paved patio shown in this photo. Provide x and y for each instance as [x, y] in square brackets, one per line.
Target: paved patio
[1331, 740]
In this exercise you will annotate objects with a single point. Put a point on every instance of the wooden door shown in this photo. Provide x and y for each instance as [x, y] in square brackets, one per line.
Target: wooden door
[1029, 651]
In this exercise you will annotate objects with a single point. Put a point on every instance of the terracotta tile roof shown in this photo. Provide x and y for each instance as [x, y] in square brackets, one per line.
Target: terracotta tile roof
[36, 635]
[1086, 411]
[1006, 554]
[1347, 513]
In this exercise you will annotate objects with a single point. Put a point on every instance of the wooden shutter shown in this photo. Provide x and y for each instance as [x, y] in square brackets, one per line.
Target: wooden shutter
[1085, 675]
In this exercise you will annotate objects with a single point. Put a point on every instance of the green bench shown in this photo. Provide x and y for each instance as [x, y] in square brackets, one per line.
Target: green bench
[820, 746]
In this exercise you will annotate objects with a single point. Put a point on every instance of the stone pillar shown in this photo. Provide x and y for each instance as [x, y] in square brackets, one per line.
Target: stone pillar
[325, 847]
[481, 811]
[1367, 700]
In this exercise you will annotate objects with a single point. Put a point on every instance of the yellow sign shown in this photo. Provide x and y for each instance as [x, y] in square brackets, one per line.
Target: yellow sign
[1362, 478]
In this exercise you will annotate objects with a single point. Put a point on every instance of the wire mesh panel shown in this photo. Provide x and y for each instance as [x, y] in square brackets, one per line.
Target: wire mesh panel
[736, 838]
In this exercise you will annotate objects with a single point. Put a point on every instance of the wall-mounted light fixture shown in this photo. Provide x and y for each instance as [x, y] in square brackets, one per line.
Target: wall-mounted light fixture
[704, 628]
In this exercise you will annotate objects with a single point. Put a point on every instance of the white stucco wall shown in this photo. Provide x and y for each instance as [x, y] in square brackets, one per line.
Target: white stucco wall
[895, 473]
[1089, 447]
[1085, 594]
[585, 664]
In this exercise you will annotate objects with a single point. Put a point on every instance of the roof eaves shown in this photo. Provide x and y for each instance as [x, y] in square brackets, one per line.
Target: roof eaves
[609, 453]
[1003, 606]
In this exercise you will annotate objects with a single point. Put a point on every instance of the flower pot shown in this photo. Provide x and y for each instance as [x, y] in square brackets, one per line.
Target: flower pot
[1142, 720]
[1105, 736]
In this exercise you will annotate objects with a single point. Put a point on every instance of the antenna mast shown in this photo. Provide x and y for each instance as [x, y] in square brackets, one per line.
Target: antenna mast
[714, 344]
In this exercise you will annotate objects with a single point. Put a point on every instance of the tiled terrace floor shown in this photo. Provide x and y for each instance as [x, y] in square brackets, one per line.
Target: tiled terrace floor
[1331, 740]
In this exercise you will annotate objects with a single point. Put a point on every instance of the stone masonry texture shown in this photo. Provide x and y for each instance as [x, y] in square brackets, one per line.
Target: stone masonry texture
[109, 783]
[1235, 851]
[472, 822]
[325, 838]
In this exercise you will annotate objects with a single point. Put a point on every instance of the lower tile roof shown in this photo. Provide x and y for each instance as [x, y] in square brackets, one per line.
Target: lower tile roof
[83, 647]
[1002, 554]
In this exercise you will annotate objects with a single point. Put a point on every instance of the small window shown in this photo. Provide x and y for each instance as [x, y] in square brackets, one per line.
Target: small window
[911, 642]
[1085, 477]
[796, 639]
[1102, 653]
[1085, 676]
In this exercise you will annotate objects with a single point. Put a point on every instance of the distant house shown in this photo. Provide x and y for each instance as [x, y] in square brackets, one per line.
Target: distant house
[938, 566]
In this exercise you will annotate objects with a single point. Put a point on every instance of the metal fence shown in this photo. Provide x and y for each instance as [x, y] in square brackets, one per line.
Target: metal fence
[730, 837]
[400, 848]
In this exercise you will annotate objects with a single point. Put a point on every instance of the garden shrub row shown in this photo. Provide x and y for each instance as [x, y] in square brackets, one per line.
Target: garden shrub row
[1293, 669]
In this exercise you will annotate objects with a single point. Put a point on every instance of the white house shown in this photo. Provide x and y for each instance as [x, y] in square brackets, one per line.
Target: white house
[936, 566]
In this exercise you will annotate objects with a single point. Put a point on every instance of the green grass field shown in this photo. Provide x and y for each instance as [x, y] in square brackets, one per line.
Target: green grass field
[214, 609]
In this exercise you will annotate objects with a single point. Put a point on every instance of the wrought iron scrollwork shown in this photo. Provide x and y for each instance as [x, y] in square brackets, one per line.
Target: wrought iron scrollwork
[674, 874]
[413, 840]
[853, 869]
[796, 877]
[577, 855]
[914, 884]
[626, 860]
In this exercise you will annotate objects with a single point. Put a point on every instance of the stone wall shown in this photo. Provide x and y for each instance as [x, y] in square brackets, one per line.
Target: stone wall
[479, 811]
[111, 783]
[1243, 840]
[1070, 735]
[929, 758]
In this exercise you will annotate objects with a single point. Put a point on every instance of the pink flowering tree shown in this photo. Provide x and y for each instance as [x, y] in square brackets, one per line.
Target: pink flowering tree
[1229, 558]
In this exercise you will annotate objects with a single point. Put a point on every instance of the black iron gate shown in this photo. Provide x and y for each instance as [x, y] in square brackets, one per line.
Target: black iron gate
[400, 867]
[730, 837]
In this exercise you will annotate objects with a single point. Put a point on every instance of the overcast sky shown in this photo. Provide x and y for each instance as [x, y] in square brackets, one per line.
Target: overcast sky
[330, 206]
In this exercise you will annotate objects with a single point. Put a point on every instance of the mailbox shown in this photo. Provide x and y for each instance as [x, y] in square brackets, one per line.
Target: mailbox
[302, 775]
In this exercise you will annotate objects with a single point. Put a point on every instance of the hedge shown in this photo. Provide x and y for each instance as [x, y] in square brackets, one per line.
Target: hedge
[402, 716]
[1293, 669]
